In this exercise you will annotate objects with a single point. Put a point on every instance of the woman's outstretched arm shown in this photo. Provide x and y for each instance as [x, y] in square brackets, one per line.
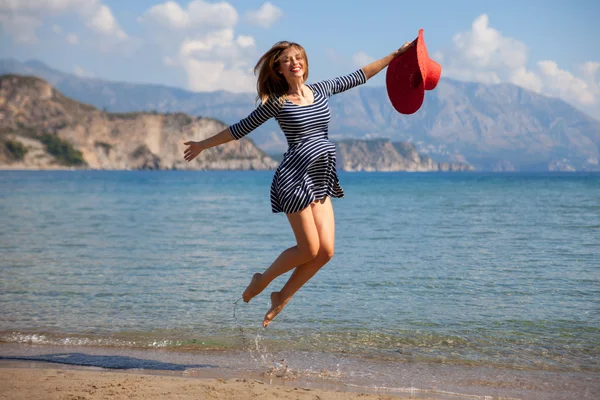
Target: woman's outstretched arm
[376, 66]
[194, 148]
[262, 113]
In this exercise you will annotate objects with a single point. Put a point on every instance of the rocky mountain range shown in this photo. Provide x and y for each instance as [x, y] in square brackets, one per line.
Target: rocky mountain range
[40, 128]
[491, 127]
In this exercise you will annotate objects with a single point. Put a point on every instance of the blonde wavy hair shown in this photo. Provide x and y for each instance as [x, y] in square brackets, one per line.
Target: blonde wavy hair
[271, 83]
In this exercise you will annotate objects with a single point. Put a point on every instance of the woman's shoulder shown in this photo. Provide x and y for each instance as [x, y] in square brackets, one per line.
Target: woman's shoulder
[272, 104]
[317, 87]
[322, 87]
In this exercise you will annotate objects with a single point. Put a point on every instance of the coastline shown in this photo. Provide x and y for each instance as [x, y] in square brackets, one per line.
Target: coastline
[68, 382]
[81, 372]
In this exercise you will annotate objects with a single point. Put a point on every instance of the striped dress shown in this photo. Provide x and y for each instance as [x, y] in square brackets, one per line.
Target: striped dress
[307, 171]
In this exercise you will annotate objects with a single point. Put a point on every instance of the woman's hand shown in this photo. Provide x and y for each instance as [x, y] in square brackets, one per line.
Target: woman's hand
[194, 148]
[376, 66]
[404, 47]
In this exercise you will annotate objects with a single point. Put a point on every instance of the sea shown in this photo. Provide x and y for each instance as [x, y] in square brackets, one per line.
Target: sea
[443, 285]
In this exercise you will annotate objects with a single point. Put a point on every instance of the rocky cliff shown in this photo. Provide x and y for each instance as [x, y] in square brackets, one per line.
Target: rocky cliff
[383, 155]
[41, 128]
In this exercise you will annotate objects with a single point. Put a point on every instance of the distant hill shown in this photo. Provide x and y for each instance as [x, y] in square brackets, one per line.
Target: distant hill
[40, 128]
[383, 155]
[492, 127]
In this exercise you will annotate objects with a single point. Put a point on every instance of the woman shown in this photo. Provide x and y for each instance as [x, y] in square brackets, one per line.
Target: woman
[306, 179]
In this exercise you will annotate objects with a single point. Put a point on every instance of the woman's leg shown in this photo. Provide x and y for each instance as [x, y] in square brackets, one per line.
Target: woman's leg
[322, 212]
[307, 239]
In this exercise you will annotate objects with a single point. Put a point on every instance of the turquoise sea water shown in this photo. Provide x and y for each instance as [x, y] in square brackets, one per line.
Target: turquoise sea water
[491, 270]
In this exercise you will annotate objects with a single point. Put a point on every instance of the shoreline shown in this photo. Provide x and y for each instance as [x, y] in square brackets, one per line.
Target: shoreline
[240, 374]
[90, 383]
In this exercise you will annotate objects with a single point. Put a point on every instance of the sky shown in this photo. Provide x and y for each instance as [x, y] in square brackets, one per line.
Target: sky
[550, 47]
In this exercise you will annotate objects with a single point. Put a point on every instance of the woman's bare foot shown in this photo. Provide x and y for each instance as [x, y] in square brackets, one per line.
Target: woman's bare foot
[254, 288]
[277, 304]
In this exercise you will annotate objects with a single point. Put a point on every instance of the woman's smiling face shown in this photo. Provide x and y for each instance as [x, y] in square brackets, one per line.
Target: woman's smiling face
[292, 64]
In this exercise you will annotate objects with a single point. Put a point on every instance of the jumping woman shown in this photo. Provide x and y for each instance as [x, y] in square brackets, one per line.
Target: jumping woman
[306, 179]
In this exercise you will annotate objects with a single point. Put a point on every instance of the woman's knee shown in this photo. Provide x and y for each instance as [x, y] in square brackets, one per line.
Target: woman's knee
[309, 251]
[325, 254]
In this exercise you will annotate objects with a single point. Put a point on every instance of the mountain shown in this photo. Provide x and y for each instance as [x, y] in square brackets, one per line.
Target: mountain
[41, 128]
[492, 127]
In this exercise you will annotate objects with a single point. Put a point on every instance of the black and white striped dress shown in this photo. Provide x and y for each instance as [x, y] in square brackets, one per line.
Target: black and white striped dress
[307, 171]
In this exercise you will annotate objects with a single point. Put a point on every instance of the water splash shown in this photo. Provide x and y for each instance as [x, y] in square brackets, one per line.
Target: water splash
[240, 328]
[259, 352]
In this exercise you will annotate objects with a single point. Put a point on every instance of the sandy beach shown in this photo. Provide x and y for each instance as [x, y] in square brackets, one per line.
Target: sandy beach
[49, 382]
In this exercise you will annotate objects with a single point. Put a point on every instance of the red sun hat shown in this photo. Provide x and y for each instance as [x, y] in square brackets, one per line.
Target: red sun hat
[409, 75]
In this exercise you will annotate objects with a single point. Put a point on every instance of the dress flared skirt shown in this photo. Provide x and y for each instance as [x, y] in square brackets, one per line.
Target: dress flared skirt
[306, 174]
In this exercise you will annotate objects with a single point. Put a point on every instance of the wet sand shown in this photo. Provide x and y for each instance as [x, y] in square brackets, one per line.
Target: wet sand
[79, 372]
[48, 382]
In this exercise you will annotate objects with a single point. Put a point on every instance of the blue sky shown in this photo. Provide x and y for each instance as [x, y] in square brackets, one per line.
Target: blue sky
[550, 47]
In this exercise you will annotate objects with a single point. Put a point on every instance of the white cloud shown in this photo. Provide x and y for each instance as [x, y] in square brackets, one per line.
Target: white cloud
[590, 70]
[218, 61]
[212, 14]
[484, 55]
[80, 72]
[245, 41]
[104, 22]
[265, 16]
[209, 51]
[214, 75]
[361, 59]
[485, 47]
[56, 28]
[22, 18]
[169, 14]
[21, 27]
[526, 79]
[563, 84]
[72, 38]
[214, 40]
[197, 15]
[35, 5]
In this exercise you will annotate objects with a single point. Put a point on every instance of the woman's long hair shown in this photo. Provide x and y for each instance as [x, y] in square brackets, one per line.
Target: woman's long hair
[271, 83]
